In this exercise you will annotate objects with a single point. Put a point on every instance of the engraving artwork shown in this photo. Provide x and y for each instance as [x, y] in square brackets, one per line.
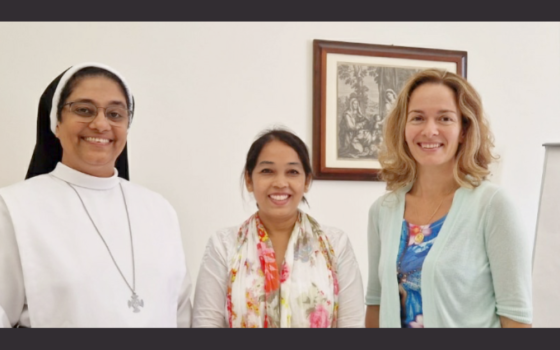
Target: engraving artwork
[365, 96]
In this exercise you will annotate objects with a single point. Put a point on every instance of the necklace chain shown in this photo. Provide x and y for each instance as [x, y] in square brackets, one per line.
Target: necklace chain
[402, 276]
[435, 211]
[437, 208]
[135, 302]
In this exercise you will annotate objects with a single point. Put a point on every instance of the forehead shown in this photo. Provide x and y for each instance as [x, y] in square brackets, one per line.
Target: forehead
[432, 95]
[98, 87]
[279, 153]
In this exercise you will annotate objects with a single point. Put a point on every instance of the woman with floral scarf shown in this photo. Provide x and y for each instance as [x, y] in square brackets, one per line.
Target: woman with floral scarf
[279, 268]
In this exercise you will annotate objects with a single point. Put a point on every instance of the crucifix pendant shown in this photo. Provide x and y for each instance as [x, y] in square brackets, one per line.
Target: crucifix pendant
[135, 303]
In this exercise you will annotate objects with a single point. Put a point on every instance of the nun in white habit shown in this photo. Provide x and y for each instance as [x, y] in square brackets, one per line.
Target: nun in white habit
[80, 245]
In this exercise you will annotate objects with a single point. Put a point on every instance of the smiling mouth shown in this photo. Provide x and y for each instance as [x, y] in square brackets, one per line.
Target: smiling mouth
[279, 197]
[430, 145]
[97, 140]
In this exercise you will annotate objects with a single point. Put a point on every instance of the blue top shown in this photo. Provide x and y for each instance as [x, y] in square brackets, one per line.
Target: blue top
[416, 242]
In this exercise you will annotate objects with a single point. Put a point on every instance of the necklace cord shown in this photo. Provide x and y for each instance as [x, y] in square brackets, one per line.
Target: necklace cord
[435, 211]
[133, 288]
[131, 241]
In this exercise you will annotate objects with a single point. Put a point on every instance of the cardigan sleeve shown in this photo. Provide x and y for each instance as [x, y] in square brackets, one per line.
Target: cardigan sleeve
[351, 309]
[12, 291]
[509, 248]
[211, 286]
[373, 292]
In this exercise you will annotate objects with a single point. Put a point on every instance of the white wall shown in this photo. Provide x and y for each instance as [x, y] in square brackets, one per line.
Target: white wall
[204, 90]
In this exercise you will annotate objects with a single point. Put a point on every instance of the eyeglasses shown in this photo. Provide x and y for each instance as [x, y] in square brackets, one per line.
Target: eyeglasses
[116, 115]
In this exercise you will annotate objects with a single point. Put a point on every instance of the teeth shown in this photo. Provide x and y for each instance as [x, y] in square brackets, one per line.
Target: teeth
[95, 139]
[279, 197]
[430, 145]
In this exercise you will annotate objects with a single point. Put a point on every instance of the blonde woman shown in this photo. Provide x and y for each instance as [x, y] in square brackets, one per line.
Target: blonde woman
[446, 247]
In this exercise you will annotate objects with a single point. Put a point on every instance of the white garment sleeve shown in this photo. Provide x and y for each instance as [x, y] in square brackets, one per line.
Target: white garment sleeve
[351, 308]
[373, 292]
[509, 247]
[184, 309]
[209, 309]
[12, 291]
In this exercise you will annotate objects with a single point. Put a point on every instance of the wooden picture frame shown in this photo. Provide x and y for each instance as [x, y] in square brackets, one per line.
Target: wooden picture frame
[354, 86]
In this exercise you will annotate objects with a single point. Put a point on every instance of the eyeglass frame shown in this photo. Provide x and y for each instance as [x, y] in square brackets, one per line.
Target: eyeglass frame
[97, 110]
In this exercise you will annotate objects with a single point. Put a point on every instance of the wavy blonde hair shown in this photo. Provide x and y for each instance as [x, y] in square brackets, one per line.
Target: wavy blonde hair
[398, 167]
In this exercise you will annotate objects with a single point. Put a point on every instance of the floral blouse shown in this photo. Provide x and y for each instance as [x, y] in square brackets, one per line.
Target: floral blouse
[416, 241]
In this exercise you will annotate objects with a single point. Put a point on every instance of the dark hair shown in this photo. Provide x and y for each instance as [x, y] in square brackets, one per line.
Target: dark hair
[283, 136]
[83, 73]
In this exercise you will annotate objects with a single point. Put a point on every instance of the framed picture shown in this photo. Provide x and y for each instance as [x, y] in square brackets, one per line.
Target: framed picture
[354, 88]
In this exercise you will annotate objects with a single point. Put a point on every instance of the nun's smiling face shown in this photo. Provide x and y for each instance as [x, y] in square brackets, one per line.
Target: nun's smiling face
[92, 146]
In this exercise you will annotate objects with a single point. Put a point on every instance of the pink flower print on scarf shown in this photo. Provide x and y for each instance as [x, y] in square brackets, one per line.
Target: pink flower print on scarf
[285, 273]
[319, 318]
[269, 268]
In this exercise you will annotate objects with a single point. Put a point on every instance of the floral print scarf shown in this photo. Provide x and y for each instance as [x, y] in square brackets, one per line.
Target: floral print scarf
[303, 294]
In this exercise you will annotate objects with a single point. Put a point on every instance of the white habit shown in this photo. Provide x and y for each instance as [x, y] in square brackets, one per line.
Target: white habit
[55, 270]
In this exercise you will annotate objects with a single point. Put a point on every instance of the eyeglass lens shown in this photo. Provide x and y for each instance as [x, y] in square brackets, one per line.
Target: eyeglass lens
[115, 114]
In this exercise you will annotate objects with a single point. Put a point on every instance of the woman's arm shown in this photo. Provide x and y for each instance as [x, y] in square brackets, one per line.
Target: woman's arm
[351, 306]
[12, 291]
[209, 306]
[372, 316]
[509, 323]
[509, 247]
[373, 292]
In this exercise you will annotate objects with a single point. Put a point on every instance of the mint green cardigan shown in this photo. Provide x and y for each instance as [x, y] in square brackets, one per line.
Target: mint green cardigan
[478, 269]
